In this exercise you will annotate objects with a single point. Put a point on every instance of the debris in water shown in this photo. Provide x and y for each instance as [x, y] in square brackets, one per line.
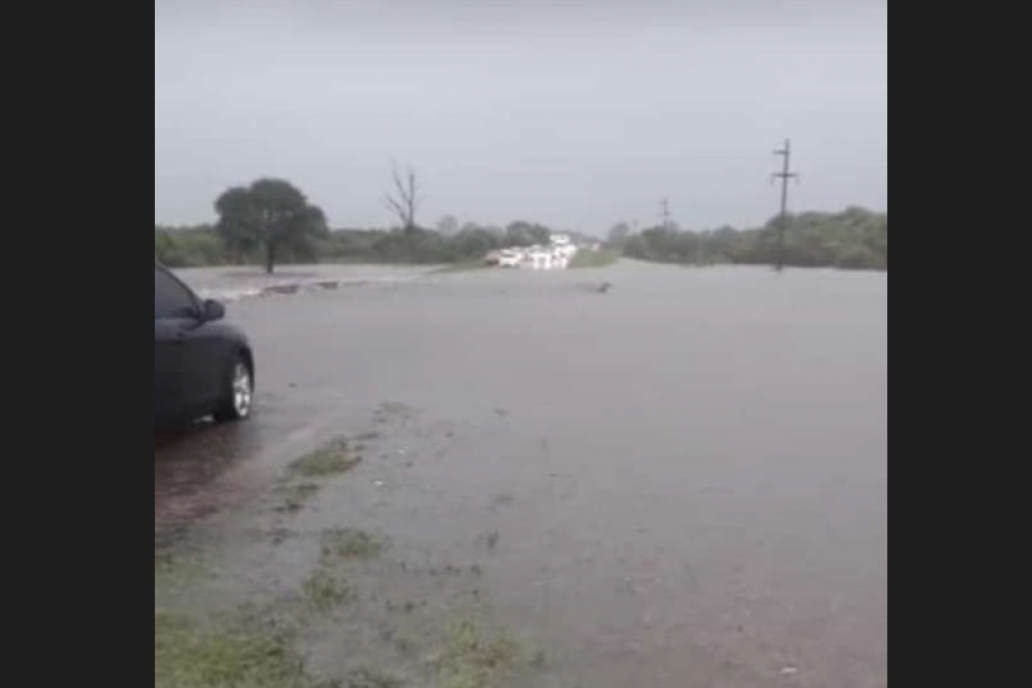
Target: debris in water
[280, 289]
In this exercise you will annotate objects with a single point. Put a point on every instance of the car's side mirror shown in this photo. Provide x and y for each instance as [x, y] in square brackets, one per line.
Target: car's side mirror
[213, 310]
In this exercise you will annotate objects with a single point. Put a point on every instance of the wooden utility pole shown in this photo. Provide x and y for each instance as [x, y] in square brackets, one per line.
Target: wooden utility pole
[784, 175]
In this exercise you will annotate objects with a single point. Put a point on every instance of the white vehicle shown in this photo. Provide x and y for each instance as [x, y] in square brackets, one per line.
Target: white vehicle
[541, 259]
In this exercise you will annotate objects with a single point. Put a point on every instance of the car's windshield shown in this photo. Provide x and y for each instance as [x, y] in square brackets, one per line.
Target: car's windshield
[554, 350]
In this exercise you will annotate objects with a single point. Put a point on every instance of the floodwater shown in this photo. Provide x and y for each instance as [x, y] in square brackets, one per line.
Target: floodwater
[233, 283]
[681, 482]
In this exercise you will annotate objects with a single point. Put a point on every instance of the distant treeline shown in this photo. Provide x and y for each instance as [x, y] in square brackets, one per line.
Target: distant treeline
[853, 239]
[856, 239]
[203, 245]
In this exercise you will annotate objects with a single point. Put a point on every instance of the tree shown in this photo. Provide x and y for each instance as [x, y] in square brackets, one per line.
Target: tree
[473, 243]
[404, 200]
[540, 234]
[522, 233]
[497, 232]
[855, 238]
[448, 225]
[618, 235]
[182, 247]
[270, 215]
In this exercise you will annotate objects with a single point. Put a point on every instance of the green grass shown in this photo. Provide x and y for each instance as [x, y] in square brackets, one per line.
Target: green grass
[347, 543]
[174, 572]
[229, 653]
[471, 658]
[324, 590]
[594, 259]
[295, 496]
[333, 459]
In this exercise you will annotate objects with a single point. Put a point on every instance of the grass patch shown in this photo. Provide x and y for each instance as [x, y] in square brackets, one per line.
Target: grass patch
[295, 496]
[176, 572]
[348, 543]
[471, 658]
[323, 591]
[333, 459]
[230, 653]
[594, 259]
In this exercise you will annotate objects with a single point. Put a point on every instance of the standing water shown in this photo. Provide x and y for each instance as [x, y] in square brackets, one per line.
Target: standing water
[679, 481]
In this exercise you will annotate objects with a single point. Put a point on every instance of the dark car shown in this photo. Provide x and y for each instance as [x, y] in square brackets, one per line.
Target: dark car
[202, 365]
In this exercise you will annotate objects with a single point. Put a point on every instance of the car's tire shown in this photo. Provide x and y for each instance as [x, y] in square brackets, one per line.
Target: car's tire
[238, 392]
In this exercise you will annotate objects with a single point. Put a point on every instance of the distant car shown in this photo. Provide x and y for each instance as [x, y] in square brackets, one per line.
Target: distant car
[202, 365]
[510, 259]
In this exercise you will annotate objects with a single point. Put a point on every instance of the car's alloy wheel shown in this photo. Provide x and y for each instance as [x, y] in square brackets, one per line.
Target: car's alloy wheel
[240, 395]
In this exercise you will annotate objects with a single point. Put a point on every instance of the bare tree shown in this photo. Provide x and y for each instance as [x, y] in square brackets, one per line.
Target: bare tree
[404, 200]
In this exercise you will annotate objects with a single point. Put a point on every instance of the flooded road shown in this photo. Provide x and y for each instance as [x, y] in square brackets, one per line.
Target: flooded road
[233, 283]
[681, 482]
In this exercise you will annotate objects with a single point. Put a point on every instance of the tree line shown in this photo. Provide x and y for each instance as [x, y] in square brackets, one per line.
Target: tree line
[270, 222]
[204, 245]
[856, 239]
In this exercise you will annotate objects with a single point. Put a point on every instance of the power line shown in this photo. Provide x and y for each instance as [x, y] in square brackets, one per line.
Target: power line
[784, 175]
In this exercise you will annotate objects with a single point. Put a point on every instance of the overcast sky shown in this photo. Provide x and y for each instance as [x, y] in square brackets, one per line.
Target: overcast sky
[573, 113]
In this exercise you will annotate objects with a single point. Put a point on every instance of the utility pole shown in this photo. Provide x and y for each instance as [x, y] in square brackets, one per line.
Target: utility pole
[784, 175]
[665, 213]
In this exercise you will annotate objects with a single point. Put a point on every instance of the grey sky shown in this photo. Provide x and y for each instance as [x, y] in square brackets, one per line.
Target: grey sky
[573, 113]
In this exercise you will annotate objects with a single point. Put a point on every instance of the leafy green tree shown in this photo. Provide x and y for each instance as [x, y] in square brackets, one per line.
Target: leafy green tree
[271, 216]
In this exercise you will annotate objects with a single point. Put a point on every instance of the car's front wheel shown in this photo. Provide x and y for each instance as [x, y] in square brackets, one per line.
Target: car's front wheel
[238, 394]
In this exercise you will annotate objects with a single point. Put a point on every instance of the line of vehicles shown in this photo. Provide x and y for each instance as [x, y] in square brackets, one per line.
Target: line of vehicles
[555, 256]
